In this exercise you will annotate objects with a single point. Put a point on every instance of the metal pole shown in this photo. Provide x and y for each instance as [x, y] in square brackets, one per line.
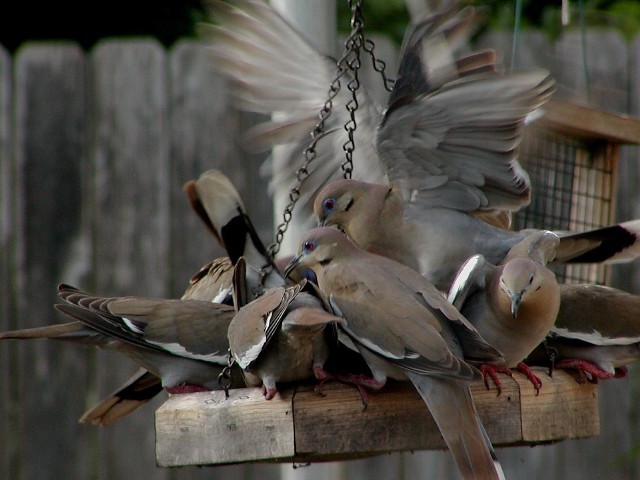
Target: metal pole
[316, 20]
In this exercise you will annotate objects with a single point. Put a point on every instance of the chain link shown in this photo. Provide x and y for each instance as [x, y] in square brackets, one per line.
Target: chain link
[350, 61]
[378, 65]
[552, 353]
[309, 154]
[225, 380]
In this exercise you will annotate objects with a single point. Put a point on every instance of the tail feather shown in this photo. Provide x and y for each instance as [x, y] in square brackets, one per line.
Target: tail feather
[612, 244]
[71, 331]
[451, 406]
[134, 393]
[215, 198]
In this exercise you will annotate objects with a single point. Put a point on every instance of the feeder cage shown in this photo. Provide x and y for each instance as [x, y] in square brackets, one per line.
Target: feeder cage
[571, 155]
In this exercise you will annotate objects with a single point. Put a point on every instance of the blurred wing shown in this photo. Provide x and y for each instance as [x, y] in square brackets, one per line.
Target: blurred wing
[272, 68]
[453, 124]
[457, 147]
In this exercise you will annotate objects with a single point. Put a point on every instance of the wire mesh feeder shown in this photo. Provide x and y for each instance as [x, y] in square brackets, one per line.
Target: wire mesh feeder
[572, 157]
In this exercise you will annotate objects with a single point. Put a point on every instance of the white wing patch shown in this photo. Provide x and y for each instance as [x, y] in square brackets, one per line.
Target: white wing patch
[221, 295]
[594, 337]
[132, 326]
[179, 350]
[462, 278]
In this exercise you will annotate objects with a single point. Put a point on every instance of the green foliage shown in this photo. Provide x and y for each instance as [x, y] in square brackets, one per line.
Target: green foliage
[385, 16]
[391, 16]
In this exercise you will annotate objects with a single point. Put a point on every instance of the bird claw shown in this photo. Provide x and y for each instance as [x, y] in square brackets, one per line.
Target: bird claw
[186, 388]
[269, 392]
[587, 371]
[362, 382]
[322, 376]
[533, 378]
[491, 371]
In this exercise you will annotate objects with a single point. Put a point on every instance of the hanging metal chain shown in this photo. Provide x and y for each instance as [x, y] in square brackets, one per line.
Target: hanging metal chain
[552, 353]
[225, 380]
[378, 65]
[303, 172]
[352, 58]
[350, 61]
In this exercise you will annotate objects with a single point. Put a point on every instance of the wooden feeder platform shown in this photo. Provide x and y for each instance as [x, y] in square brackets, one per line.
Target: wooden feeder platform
[301, 426]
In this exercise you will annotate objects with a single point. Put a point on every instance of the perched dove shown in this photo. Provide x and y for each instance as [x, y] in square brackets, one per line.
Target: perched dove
[284, 335]
[513, 305]
[436, 240]
[182, 342]
[405, 329]
[597, 332]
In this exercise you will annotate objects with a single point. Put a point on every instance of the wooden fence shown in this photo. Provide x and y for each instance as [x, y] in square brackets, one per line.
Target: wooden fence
[94, 149]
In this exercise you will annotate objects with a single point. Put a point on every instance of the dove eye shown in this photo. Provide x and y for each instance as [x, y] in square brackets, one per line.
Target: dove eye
[308, 246]
[329, 204]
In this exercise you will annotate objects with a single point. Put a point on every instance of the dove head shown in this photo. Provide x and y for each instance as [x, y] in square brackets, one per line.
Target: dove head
[320, 247]
[528, 285]
[358, 208]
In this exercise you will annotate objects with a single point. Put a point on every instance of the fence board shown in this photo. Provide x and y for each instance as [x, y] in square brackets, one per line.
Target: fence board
[130, 160]
[606, 59]
[201, 126]
[8, 402]
[50, 115]
[534, 49]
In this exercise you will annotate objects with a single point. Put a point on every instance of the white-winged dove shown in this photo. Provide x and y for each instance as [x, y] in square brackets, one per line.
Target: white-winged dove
[597, 332]
[217, 202]
[297, 344]
[182, 342]
[284, 335]
[436, 240]
[219, 205]
[405, 329]
[513, 304]
[448, 99]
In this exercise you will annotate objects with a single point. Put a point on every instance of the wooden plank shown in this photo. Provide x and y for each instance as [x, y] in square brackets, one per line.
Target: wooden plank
[210, 425]
[49, 147]
[544, 417]
[590, 123]
[335, 426]
[337, 422]
[130, 214]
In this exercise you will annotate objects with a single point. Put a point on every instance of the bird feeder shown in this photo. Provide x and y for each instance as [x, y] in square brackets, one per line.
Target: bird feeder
[300, 425]
[571, 155]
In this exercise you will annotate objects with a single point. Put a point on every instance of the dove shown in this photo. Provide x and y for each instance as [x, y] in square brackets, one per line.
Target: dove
[182, 342]
[217, 202]
[405, 329]
[140, 388]
[437, 240]
[284, 335]
[597, 332]
[514, 304]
